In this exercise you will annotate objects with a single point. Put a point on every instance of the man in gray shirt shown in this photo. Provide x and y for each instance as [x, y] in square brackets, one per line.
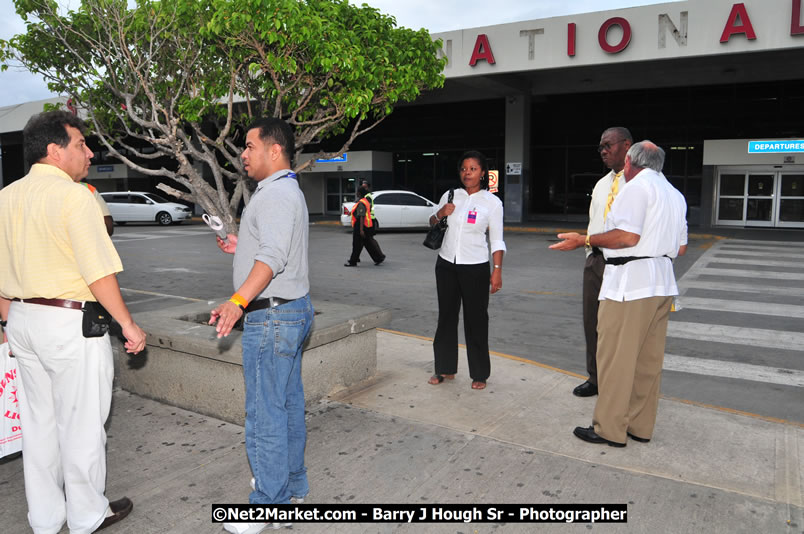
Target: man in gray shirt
[271, 287]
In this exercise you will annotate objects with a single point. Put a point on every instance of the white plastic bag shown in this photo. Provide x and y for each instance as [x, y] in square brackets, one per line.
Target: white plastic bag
[10, 428]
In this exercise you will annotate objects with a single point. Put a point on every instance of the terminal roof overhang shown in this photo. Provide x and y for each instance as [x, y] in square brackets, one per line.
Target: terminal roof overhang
[675, 44]
[740, 68]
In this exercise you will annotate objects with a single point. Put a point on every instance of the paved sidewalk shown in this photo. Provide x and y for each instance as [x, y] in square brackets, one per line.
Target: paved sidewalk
[397, 439]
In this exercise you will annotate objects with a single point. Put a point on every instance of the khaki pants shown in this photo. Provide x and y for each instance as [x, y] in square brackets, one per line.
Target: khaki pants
[630, 353]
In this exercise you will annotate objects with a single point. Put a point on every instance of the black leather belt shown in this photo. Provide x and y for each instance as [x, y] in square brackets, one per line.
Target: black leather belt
[622, 260]
[270, 302]
[58, 303]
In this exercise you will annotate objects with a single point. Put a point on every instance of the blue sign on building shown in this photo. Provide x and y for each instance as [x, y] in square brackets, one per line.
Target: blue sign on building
[104, 168]
[776, 147]
[341, 159]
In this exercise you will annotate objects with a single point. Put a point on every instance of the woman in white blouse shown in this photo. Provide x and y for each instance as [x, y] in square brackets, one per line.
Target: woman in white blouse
[462, 271]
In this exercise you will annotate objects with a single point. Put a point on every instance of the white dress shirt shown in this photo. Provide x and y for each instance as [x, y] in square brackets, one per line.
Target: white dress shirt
[465, 240]
[650, 206]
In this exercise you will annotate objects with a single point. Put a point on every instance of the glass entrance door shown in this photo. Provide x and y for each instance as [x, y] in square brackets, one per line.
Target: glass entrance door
[760, 197]
[339, 190]
[731, 199]
[791, 199]
[759, 206]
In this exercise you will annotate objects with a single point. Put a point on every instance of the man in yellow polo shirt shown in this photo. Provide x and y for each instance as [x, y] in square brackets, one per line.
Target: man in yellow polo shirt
[55, 256]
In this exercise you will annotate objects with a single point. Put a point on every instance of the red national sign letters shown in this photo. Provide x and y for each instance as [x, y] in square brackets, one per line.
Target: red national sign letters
[737, 23]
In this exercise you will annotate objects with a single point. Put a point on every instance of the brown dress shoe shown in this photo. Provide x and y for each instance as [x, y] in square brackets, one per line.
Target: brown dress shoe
[120, 509]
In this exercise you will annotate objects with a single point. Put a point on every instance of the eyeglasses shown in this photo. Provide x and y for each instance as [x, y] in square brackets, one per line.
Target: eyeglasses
[607, 146]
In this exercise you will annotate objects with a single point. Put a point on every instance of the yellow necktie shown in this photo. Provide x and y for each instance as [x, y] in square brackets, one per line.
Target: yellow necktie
[615, 187]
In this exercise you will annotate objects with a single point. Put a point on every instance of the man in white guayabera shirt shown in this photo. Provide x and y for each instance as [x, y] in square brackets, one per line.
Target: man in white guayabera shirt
[645, 230]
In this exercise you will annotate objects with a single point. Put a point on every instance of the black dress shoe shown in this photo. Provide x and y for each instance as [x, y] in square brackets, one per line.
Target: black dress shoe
[587, 389]
[637, 438]
[349, 264]
[379, 262]
[120, 509]
[589, 434]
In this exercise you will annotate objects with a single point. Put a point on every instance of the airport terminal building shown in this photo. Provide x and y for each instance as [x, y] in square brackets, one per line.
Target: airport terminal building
[718, 84]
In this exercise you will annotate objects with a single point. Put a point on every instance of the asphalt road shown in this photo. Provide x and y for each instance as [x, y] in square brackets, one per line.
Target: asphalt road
[735, 345]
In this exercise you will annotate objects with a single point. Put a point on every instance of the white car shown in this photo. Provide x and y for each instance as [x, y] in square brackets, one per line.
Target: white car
[395, 209]
[136, 206]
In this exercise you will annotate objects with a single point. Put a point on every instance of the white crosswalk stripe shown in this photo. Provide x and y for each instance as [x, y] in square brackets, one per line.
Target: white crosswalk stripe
[744, 371]
[755, 254]
[161, 234]
[732, 273]
[767, 249]
[132, 235]
[746, 287]
[184, 231]
[744, 306]
[756, 259]
[754, 337]
[747, 273]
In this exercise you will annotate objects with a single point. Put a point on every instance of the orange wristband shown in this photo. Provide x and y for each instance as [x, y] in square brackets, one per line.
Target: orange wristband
[239, 300]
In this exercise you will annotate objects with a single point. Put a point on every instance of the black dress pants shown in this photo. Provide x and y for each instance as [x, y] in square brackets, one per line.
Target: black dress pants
[358, 242]
[467, 285]
[592, 280]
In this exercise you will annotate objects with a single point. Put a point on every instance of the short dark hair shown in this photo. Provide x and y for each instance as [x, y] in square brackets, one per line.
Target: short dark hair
[45, 128]
[277, 131]
[362, 191]
[621, 131]
[481, 159]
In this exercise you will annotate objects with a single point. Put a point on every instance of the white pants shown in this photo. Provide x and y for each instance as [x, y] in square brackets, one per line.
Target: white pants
[65, 400]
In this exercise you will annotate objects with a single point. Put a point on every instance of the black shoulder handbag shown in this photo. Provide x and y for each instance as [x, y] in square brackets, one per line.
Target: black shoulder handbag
[435, 236]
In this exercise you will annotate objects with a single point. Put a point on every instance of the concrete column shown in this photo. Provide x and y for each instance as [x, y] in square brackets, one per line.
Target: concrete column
[517, 151]
[706, 218]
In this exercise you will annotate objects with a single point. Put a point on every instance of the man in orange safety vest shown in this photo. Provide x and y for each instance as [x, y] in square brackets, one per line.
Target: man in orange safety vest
[363, 231]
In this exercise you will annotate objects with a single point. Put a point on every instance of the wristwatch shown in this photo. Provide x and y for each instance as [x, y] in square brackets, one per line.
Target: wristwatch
[3, 323]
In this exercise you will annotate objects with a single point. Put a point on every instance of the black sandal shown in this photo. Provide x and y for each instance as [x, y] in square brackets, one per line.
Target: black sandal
[437, 379]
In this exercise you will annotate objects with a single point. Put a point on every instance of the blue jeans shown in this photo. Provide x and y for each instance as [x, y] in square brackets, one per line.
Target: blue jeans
[275, 428]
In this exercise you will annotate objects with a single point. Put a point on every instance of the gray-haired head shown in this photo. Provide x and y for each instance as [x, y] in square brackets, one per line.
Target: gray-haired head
[646, 155]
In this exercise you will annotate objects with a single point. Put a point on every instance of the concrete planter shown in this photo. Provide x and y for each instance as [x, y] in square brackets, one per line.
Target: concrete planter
[184, 364]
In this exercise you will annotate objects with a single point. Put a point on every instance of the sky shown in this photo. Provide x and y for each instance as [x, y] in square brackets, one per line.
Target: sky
[18, 86]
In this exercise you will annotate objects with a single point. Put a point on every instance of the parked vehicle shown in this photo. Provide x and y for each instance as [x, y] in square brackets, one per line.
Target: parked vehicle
[395, 209]
[137, 206]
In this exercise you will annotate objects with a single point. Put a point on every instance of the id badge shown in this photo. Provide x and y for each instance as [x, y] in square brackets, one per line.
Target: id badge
[472, 217]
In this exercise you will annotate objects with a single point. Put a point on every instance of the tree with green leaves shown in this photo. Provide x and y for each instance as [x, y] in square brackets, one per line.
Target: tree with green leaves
[167, 86]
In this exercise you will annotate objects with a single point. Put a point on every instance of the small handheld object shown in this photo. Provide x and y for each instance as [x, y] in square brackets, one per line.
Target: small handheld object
[214, 222]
